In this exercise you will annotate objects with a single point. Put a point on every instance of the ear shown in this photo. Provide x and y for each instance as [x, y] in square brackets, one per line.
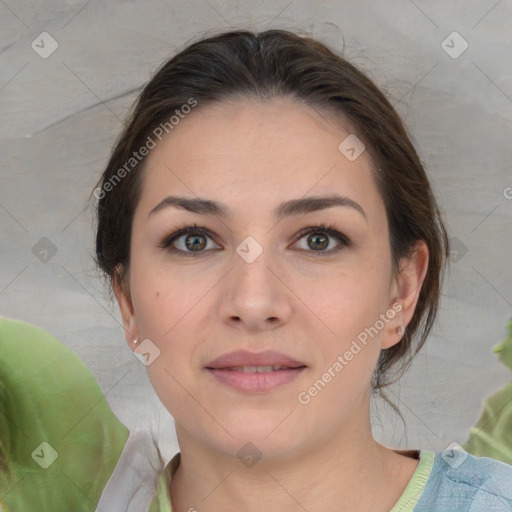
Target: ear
[123, 296]
[406, 291]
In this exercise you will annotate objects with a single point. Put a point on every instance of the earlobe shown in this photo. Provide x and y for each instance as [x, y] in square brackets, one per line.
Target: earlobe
[394, 331]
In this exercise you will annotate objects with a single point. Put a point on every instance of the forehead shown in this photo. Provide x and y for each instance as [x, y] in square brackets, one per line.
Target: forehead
[250, 152]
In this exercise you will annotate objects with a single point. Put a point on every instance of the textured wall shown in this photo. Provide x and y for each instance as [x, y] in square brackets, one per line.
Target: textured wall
[61, 112]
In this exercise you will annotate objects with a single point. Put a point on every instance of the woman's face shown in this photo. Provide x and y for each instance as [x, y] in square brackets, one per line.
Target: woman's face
[255, 283]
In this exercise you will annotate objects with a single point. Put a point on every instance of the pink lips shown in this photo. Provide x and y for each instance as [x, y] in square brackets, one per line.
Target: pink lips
[222, 369]
[245, 358]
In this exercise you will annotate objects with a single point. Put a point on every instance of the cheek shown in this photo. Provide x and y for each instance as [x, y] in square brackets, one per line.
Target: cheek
[352, 298]
[161, 299]
[166, 322]
[169, 385]
[351, 307]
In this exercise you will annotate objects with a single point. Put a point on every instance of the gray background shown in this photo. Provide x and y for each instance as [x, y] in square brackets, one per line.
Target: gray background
[61, 114]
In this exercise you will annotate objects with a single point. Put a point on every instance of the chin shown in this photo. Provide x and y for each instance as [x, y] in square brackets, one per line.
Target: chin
[251, 448]
[271, 436]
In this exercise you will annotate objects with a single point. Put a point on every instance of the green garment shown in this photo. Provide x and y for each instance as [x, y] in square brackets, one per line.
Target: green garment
[48, 395]
[492, 435]
[162, 501]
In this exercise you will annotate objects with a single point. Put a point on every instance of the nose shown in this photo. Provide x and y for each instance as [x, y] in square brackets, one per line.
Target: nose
[255, 296]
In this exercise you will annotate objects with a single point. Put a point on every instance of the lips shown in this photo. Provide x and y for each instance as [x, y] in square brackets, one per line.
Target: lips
[255, 382]
[243, 358]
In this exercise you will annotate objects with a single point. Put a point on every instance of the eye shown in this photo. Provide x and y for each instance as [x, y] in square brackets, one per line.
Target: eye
[193, 240]
[318, 238]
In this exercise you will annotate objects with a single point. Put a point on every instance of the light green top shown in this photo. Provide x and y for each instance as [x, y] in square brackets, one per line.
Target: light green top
[162, 501]
[416, 484]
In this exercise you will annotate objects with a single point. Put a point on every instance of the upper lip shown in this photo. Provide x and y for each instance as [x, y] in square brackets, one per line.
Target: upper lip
[246, 358]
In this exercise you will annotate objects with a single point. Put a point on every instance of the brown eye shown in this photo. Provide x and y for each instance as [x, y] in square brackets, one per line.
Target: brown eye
[189, 241]
[318, 238]
[195, 242]
[318, 241]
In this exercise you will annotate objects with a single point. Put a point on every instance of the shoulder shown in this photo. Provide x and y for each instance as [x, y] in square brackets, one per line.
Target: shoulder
[461, 481]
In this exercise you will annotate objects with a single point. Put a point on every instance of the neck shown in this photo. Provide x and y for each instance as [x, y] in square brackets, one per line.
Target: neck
[345, 472]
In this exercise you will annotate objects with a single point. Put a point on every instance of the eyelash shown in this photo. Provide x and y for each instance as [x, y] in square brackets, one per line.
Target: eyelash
[326, 229]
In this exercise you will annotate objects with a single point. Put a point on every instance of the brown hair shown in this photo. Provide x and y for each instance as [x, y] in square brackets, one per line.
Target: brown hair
[272, 64]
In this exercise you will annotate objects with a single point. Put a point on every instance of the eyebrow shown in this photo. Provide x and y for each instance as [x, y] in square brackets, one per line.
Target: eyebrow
[286, 209]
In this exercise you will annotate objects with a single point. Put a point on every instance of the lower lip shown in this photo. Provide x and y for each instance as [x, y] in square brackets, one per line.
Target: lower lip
[256, 381]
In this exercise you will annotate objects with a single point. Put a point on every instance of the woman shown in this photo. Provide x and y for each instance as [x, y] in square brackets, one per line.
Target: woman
[276, 252]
